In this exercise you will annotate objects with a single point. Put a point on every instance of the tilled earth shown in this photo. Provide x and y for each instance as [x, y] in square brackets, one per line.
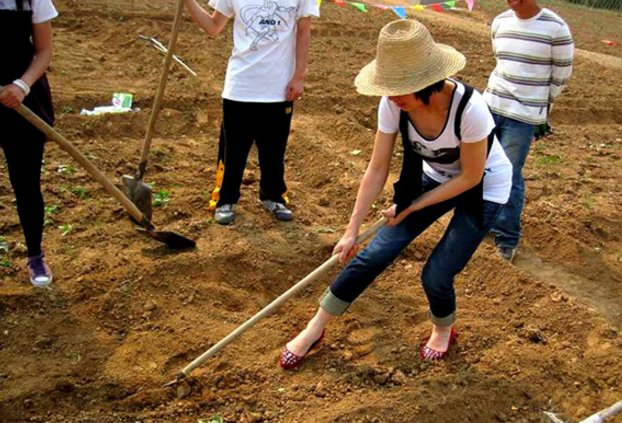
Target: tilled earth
[125, 314]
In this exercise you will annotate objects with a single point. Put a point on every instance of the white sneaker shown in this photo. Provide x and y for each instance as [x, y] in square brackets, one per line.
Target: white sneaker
[39, 271]
[278, 210]
[224, 214]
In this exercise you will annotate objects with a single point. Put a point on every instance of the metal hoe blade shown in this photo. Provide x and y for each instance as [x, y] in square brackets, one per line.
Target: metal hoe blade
[178, 378]
[139, 193]
[171, 239]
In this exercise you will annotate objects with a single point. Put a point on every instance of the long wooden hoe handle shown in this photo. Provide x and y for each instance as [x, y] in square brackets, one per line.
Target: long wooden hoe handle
[55, 136]
[276, 303]
[142, 165]
[603, 415]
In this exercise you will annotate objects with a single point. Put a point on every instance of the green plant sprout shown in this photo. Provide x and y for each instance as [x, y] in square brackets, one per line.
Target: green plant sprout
[53, 209]
[49, 212]
[588, 201]
[80, 192]
[66, 169]
[161, 198]
[549, 160]
[4, 245]
[65, 229]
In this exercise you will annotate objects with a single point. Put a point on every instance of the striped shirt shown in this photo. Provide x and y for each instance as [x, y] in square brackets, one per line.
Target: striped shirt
[534, 62]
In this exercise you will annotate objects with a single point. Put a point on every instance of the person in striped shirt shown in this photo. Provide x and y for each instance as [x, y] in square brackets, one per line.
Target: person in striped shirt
[533, 49]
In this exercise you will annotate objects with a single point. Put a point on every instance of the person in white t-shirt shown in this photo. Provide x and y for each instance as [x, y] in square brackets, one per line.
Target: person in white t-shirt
[26, 35]
[265, 76]
[452, 160]
[534, 50]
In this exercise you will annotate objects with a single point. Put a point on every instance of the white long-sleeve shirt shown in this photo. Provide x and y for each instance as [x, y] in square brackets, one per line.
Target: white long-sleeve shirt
[534, 62]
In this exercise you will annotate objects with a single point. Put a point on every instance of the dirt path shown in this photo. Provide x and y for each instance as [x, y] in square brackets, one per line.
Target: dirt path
[600, 58]
[607, 299]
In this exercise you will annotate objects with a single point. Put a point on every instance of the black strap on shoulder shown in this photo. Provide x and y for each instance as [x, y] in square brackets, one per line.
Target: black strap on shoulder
[408, 187]
[19, 5]
[468, 92]
[473, 198]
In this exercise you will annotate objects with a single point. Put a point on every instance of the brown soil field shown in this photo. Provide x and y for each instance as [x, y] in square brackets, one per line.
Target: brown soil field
[125, 314]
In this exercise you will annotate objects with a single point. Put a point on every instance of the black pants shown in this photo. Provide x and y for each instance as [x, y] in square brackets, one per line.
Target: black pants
[266, 124]
[23, 150]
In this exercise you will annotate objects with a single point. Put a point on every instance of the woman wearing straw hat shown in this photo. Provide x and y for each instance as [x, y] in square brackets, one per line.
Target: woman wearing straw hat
[452, 160]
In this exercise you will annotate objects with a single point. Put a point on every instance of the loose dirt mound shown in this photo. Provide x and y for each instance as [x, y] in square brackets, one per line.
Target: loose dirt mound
[125, 314]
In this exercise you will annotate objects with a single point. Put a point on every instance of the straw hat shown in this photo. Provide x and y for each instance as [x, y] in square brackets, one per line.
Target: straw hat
[407, 60]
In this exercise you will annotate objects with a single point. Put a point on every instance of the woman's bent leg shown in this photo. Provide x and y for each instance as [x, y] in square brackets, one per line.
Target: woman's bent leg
[451, 255]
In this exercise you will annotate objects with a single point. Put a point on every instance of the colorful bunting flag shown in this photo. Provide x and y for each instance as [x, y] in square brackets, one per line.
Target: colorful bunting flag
[359, 6]
[399, 11]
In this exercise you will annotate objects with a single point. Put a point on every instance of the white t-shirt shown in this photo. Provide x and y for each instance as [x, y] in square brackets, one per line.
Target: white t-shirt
[477, 123]
[42, 10]
[263, 59]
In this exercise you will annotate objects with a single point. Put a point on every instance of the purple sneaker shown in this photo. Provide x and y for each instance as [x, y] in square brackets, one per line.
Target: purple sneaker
[40, 273]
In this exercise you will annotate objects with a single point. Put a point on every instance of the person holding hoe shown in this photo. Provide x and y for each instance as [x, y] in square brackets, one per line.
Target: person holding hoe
[265, 75]
[26, 33]
[452, 161]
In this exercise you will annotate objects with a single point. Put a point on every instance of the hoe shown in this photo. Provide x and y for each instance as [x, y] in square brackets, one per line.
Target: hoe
[171, 239]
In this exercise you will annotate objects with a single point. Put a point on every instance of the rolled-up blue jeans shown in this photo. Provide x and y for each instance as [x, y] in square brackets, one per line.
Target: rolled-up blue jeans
[462, 237]
[515, 138]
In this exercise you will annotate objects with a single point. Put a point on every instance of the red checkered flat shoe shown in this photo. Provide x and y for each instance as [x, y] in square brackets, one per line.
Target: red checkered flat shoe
[288, 360]
[428, 354]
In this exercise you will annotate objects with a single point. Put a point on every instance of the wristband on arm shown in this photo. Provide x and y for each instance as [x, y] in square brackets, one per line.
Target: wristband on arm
[22, 86]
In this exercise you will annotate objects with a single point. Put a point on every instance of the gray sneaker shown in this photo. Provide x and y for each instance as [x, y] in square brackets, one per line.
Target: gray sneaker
[278, 210]
[224, 214]
[507, 253]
